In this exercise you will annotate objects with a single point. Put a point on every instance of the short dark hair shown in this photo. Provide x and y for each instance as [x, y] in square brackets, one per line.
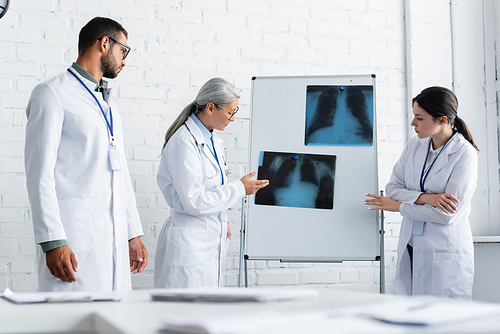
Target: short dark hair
[96, 29]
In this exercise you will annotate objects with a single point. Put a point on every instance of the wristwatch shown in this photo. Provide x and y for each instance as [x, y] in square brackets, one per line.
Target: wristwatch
[4, 7]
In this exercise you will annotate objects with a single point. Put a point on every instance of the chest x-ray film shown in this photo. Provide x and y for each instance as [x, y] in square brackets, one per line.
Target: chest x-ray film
[297, 180]
[339, 115]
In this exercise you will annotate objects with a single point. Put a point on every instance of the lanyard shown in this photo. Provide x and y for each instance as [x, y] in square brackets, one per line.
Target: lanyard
[422, 177]
[110, 122]
[223, 215]
[214, 153]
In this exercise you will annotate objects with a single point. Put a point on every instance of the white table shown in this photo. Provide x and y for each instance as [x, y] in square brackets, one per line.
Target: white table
[136, 313]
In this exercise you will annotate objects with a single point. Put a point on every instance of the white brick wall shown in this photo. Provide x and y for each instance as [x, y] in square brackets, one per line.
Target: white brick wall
[177, 46]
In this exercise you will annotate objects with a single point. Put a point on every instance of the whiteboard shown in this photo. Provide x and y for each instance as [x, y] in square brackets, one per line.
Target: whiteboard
[281, 109]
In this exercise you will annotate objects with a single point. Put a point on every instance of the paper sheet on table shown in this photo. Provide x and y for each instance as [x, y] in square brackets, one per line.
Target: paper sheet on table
[431, 312]
[273, 323]
[232, 295]
[56, 297]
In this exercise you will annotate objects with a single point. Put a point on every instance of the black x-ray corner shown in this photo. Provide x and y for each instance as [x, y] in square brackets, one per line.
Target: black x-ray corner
[297, 180]
[339, 115]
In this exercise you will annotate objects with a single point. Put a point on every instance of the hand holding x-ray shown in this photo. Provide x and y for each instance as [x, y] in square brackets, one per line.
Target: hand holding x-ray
[252, 186]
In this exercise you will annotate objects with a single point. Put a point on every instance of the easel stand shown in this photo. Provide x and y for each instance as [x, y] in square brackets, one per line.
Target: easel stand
[244, 258]
[382, 249]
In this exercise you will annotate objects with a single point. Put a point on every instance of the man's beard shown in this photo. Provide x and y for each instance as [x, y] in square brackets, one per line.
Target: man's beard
[108, 66]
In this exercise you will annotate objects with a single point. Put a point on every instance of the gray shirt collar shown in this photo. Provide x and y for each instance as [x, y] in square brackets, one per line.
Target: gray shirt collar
[86, 75]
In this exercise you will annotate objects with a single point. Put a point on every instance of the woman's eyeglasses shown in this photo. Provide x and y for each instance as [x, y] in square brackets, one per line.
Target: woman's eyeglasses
[231, 113]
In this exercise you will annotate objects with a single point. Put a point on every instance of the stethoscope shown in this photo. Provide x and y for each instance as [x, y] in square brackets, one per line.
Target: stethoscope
[227, 170]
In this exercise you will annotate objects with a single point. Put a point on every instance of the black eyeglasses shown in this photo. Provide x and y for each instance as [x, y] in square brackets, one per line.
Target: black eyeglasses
[124, 52]
[231, 113]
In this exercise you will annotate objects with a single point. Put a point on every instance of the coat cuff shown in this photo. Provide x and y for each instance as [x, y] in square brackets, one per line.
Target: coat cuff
[241, 189]
[50, 245]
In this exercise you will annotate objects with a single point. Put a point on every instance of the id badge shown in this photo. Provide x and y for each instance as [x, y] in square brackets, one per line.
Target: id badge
[418, 227]
[114, 159]
[224, 216]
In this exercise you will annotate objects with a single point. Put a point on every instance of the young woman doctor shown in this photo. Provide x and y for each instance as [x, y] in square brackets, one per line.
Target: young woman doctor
[192, 176]
[431, 186]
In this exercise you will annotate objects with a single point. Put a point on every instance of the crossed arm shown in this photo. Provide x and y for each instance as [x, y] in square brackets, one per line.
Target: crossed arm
[445, 202]
[439, 207]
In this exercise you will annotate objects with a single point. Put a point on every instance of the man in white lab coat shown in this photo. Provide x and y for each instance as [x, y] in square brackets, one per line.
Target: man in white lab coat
[84, 213]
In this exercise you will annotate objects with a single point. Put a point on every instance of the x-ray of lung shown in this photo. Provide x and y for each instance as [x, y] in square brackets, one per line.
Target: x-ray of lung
[297, 180]
[339, 115]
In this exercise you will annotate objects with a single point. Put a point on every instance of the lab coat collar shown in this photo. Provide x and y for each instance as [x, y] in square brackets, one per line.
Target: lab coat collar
[204, 131]
[205, 134]
[196, 132]
[84, 74]
[91, 84]
[455, 143]
[106, 91]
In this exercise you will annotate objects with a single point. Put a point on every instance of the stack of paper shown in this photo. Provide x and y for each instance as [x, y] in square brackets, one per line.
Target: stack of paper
[430, 312]
[378, 318]
[55, 297]
[231, 295]
[273, 322]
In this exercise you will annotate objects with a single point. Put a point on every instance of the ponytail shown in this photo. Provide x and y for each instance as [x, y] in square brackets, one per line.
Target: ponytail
[183, 116]
[440, 101]
[462, 128]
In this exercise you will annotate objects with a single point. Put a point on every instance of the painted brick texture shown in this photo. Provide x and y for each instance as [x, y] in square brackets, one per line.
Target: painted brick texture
[176, 46]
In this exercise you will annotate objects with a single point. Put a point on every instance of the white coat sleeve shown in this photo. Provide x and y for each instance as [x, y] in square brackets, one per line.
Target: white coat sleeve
[396, 189]
[183, 160]
[461, 183]
[43, 133]
[134, 226]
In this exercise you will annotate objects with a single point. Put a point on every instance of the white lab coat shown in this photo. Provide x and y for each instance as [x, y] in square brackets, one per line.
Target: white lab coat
[73, 192]
[192, 245]
[443, 257]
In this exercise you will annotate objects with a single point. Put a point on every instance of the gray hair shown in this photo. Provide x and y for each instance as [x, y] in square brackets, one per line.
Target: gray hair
[216, 90]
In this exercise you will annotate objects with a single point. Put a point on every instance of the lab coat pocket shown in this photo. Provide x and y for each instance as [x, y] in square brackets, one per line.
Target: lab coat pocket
[186, 247]
[76, 216]
[452, 275]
